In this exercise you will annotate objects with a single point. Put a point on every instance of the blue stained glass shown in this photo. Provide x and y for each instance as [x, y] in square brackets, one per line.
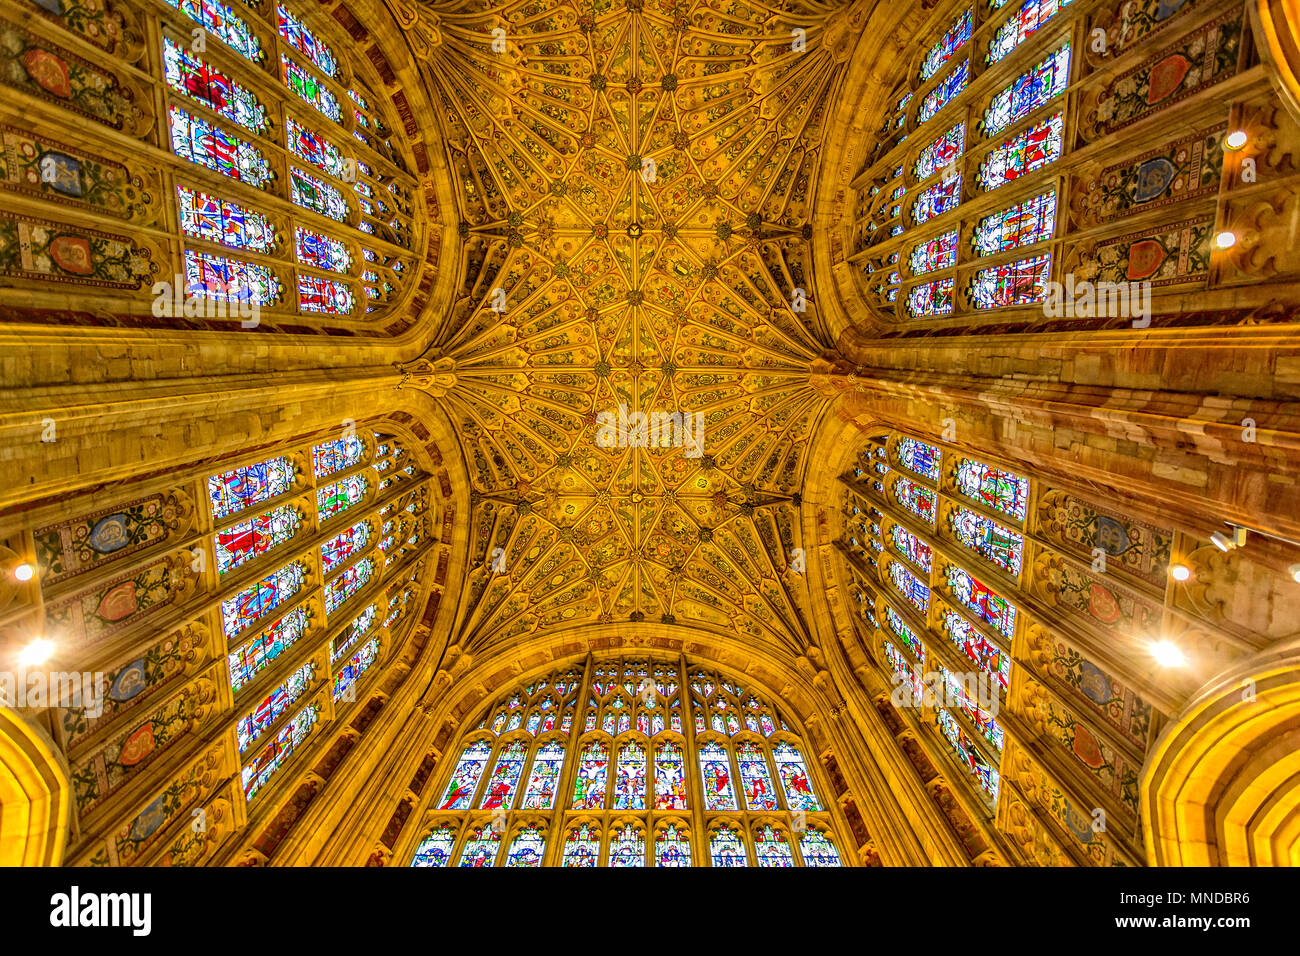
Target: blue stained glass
[986, 537]
[320, 197]
[911, 547]
[917, 499]
[959, 695]
[329, 296]
[304, 41]
[978, 648]
[504, 781]
[351, 580]
[1000, 490]
[772, 847]
[944, 93]
[991, 607]
[1013, 283]
[627, 847]
[1023, 224]
[528, 846]
[673, 846]
[435, 849]
[910, 586]
[582, 846]
[240, 488]
[793, 774]
[222, 23]
[337, 454]
[968, 755]
[230, 280]
[593, 771]
[941, 152]
[193, 77]
[322, 252]
[905, 633]
[931, 298]
[934, 254]
[256, 655]
[310, 90]
[715, 767]
[219, 220]
[903, 674]
[937, 199]
[817, 849]
[465, 777]
[630, 776]
[273, 705]
[755, 780]
[277, 752]
[670, 777]
[919, 457]
[200, 142]
[1032, 15]
[1028, 92]
[1027, 151]
[336, 498]
[256, 600]
[359, 627]
[344, 545]
[544, 777]
[314, 148]
[254, 536]
[481, 847]
[726, 848]
[948, 44]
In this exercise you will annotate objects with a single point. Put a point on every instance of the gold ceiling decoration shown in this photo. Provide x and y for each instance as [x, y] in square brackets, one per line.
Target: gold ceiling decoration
[633, 180]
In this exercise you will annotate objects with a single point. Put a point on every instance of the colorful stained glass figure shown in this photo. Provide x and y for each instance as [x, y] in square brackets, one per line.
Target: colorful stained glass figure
[309, 89]
[328, 296]
[944, 92]
[991, 607]
[1024, 153]
[904, 633]
[222, 22]
[627, 847]
[339, 496]
[233, 491]
[629, 776]
[1029, 91]
[358, 629]
[347, 678]
[465, 778]
[910, 586]
[344, 545]
[938, 199]
[793, 774]
[481, 847]
[903, 673]
[952, 40]
[305, 42]
[916, 498]
[978, 648]
[322, 252]
[331, 456]
[312, 147]
[939, 252]
[986, 537]
[193, 77]
[727, 848]
[591, 780]
[715, 768]
[255, 536]
[772, 847]
[544, 777]
[1000, 490]
[200, 142]
[256, 655]
[964, 696]
[347, 583]
[672, 846]
[670, 776]
[1014, 283]
[754, 778]
[582, 846]
[435, 849]
[968, 755]
[941, 152]
[919, 457]
[273, 705]
[257, 600]
[277, 753]
[816, 848]
[911, 547]
[1023, 224]
[931, 298]
[528, 846]
[230, 280]
[1021, 24]
[219, 220]
[320, 197]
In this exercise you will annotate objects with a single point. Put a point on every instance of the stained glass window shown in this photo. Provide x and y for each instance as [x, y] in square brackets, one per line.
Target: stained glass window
[772, 847]
[965, 698]
[978, 648]
[219, 20]
[911, 547]
[258, 773]
[481, 847]
[544, 778]
[344, 545]
[968, 754]
[910, 586]
[986, 537]
[464, 779]
[360, 663]
[528, 846]
[1030, 91]
[191, 76]
[198, 141]
[940, 252]
[305, 42]
[582, 846]
[1031, 15]
[435, 849]
[230, 280]
[331, 456]
[336, 498]
[670, 776]
[919, 457]
[348, 583]
[1000, 490]
[240, 488]
[799, 794]
[593, 771]
[328, 296]
[320, 197]
[358, 629]
[673, 846]
[990, 606]
[255, 536]
[938, 199]
[817, 849]
[310, 146]
[273, 705]
[219, 220]
[1015, 283]
[715, 768]
[254, 656]
[630, 776]
[322, 252]
[241, 610]
[1023, 224]
[944, 92]
[931, 298]
[904, 633]
[310, 90]
[754, 778]
[627, 847]
[916, 498]
[1023, 153]
[948, 44]
[726, 848]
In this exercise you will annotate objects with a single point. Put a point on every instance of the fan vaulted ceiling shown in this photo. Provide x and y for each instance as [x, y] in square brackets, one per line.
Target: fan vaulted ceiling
[633, 184]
